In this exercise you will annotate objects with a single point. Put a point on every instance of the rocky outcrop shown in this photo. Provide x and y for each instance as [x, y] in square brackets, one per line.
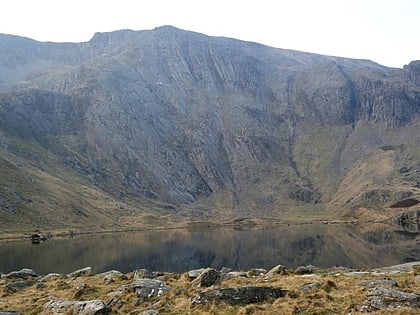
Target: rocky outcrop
[379, 298]
[207, 278]
[239, 295]
[80, 272]
[148, 288]
[93, 307]
[24, 274]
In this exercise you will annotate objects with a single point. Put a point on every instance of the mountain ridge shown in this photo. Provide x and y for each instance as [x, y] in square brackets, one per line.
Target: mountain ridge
[207, 128]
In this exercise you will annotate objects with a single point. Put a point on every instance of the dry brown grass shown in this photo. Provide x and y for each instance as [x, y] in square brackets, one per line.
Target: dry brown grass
[338, 295]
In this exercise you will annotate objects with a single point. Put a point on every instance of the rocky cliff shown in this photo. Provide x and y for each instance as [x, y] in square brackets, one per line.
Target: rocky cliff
[170, 122]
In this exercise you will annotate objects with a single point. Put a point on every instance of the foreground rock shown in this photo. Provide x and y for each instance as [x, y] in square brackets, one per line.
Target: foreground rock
[94, 307]
[148, 288]
[206, 278]
[380, 298]
[81, 272]
[239, 295]
[24, 273]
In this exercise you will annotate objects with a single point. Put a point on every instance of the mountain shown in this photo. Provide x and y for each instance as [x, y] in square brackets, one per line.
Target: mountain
[145, 127]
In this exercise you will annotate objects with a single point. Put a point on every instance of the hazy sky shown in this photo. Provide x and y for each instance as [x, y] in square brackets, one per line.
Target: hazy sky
[386, 31]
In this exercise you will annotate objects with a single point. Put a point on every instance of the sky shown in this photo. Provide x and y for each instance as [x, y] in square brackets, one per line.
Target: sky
[385, 31]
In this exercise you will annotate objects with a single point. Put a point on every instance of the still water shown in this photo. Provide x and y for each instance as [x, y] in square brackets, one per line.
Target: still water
[354, 246]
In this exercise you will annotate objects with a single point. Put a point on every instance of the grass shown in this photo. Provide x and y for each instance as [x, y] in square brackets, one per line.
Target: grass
[337, 295]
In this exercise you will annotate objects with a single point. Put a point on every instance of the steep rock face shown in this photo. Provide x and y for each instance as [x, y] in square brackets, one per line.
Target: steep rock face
[213, 123]
[387, 98]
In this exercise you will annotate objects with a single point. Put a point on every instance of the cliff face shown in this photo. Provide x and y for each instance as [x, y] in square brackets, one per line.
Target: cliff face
[208, 126]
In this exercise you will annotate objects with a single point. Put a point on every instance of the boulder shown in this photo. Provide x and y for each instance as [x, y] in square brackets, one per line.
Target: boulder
[112, 275]
[278, 270]
[304, 270]
[380, 298]
[147, 288]
[207, 278]
[378, 282]
[146, 274]
[81, 272]
[255, 272]
[52, 276]
[24, 274]
[239, 295]
[192, 274]
[308, 287]
[235, 274]
[18, 285]
[36, 239]
[93, 307]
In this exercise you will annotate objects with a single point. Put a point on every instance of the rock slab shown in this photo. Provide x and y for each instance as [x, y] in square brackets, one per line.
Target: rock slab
[239, 295]
[24, 274]
[147, 288]
[381, 298]
[93, 307]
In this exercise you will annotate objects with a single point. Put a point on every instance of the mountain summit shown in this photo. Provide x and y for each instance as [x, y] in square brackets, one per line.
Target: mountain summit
[167, 123]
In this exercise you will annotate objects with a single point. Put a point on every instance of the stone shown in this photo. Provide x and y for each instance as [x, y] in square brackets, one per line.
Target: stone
[302, 270]
[357, 273]
[92, 307]
[111, 275]
[379, 282]
[149, 312]
[207, 278]
[24, 273]
[36, 238]
[255, 272]
[380, 298]
[308, 287]
[146, 274]
[148, 288]
[239, 295]
[81, 272]
[9, 313]
[235, 274]
[225, 270]
[52, 276]
[278, 270]
[18, 285]
[192, 274]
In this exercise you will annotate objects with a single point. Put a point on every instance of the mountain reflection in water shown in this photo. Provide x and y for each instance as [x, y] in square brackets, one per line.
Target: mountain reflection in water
[324, 246]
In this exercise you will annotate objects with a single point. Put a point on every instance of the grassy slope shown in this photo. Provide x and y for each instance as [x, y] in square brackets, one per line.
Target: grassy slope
[360, 168]
[37, 190]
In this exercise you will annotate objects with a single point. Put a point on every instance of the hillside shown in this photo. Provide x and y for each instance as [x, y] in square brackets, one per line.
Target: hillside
[150, 127]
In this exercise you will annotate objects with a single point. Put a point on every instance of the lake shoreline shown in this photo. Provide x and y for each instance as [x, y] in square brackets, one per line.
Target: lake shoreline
[242, 223]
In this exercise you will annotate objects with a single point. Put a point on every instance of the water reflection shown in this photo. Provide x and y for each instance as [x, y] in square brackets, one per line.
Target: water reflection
[182, 250]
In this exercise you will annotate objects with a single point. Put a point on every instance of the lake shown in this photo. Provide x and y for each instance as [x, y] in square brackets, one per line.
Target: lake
[322, 245]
